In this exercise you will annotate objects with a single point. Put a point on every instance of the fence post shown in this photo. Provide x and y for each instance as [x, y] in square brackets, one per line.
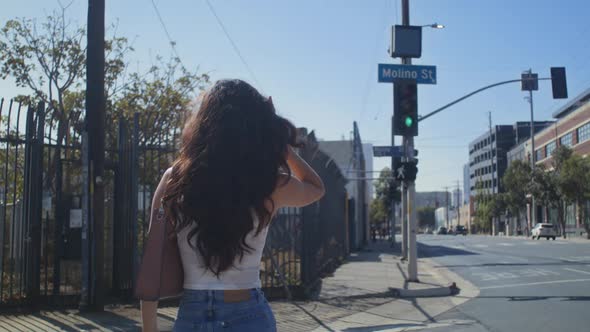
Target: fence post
[85, 292]
[33, 236]
[134, 173]
[120, 264]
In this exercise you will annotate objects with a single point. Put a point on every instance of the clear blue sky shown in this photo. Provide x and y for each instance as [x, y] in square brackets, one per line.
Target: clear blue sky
[318, 59]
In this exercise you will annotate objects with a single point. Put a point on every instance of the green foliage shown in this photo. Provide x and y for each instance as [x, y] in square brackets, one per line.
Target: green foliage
[386, 193]
[487, 207]
[516, 181]
[426, 217]
[575, 185]
[49, 58]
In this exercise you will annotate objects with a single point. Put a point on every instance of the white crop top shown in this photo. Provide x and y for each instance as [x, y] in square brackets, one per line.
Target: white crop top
[243, 275]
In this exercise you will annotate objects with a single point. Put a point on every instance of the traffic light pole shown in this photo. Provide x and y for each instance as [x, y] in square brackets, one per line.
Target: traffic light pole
[393, 207]
[533, 219]
[408, 143]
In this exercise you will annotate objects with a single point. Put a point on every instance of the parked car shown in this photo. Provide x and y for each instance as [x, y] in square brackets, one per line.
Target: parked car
[460, 230]
[544, 230]
[441, 230]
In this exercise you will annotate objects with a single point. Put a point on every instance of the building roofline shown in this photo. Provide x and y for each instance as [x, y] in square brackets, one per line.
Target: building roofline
[572, 105]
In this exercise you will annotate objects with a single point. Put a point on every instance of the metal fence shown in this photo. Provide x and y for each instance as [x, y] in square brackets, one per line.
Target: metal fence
[325, 227]
[41, 194]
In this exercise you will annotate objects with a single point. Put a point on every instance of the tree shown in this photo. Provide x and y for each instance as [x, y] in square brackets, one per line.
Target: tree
[426, 217]
[386, 193]
[516, 182]
[49, 59]
[559, 158]
[575, 185]
[545, 187]
[483, 217]
[487, 207]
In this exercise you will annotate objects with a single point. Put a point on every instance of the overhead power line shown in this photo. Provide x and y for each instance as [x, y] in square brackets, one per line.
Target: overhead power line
[233, 44]
[170, 40]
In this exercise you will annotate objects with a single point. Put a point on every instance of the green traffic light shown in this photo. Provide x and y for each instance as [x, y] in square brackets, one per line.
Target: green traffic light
[409, 121]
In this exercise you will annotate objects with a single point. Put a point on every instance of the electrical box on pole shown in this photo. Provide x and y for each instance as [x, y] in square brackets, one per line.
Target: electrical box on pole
[558, 82]
[405, 101]
[530, 82]
[406, 41]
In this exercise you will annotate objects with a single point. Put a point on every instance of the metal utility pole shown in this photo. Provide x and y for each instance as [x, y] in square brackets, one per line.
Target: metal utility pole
[408, 143]
[459, 204]
[533, 218]
[95, 128]
[491, 149]
[393, 209]
[447, 207]
[492, 167]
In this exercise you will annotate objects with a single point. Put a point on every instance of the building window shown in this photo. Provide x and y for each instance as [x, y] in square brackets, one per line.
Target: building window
[550, 148]
[566, 140]
[539, 154]
[584, 133]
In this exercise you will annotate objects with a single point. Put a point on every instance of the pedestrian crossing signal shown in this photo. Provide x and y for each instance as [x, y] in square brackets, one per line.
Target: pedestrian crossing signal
[406, 171]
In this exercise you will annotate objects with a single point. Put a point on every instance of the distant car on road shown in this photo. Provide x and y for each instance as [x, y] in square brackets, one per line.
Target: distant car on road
[460, 230]
[441, 230]
[544, 230]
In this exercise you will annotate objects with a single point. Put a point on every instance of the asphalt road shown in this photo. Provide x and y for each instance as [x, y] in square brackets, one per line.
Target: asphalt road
[525, 284]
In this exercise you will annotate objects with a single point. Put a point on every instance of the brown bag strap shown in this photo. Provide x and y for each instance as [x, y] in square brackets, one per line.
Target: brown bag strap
[150, 271]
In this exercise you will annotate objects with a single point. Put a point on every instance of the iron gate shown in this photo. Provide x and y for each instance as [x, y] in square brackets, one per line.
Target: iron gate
[41, 195]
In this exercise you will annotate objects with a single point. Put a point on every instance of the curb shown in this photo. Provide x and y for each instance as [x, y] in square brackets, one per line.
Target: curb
[426, 292]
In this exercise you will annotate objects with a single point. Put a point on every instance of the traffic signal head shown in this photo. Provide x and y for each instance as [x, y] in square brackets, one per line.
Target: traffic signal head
[405, 109]
[558, 82]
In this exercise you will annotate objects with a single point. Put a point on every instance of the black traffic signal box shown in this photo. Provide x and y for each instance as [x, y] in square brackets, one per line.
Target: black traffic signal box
[558, 82]
[405, 116]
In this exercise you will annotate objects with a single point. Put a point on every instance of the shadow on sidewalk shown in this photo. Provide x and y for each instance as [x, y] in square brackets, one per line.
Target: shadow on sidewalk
[559, 263]
[428, 251]
[66, 321]
[380, 327]
[538, 298]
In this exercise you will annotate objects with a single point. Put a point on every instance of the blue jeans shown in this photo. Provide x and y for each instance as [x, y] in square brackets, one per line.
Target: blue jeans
[205, 310]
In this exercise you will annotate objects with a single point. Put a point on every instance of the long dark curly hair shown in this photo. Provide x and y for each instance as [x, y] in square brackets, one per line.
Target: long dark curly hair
[232, 152]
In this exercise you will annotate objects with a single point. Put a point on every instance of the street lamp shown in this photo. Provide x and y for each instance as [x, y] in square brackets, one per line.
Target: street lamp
[434, 26]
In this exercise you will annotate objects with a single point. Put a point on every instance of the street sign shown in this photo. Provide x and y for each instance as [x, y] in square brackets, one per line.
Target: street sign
[387, 151]
[390, 73]
[390, 151]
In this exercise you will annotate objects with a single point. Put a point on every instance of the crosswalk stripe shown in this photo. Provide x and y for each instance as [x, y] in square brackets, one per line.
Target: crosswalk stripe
[574, 270]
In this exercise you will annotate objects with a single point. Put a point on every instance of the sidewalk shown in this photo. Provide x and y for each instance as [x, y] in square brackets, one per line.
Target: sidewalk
[360, 296]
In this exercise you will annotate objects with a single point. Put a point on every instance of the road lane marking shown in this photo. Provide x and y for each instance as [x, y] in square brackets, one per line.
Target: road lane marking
[574, 270]
[506, 244]
[481, 245]
[575, 258]
[513, 274]
[536, 283]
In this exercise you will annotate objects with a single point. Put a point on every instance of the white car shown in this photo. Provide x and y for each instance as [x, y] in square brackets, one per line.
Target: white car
[544, 230]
